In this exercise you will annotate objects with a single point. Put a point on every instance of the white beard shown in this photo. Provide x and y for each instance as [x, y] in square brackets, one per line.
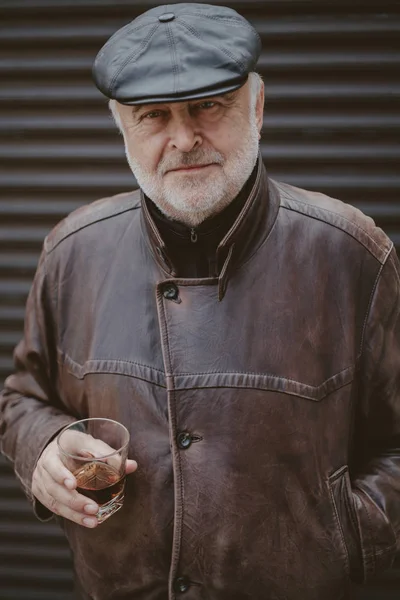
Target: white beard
[191, 199]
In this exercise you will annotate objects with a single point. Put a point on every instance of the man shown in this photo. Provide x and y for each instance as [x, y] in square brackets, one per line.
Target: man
[245, 331]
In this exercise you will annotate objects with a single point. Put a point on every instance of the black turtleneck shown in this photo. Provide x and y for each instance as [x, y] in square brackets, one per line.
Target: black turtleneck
[192, 251]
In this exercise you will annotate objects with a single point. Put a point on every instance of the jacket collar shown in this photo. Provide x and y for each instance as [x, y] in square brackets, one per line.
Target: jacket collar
[247, 233]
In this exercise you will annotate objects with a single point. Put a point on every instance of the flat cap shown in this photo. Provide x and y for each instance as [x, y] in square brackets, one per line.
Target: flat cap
[177, 52]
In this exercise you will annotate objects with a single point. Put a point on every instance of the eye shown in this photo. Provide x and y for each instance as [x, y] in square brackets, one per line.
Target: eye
[154, 114]
[207, 104]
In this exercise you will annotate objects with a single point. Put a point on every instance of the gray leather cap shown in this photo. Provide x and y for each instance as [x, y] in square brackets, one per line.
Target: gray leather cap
[177, 52]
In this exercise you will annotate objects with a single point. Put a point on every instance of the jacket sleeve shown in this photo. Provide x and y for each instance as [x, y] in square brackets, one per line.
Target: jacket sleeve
[31, 412]
[376, 476]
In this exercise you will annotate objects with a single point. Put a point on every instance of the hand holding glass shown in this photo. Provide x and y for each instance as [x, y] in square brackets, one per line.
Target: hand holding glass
[95, 451]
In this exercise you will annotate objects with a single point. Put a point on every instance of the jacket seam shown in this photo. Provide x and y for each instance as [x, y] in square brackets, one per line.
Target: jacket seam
[118, 360]
[361, 491]
[265, 375]
[52, 292]
[178, 518]
[318, 218]
[262, 244]
[371, 298]
[79, 227]
[242, 262]
[350, 507]
[178, 542]
[369, 552]
[101, 372]
[288, 195]
[287, 392]
[251, 198]
[53, 301]
[339, 526]
[146, 239]
[337, 215]
[395, 270]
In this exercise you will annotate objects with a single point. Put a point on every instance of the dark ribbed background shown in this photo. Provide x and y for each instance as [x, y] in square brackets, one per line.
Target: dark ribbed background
[332, 123]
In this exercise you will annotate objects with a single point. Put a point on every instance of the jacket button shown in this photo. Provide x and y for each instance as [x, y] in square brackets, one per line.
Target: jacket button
[184, 440]
[170, 291]
[182, 584]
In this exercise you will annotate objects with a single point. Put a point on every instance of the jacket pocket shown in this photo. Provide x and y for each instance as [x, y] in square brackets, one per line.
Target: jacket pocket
[346, 521]
[368, 540]
[378, 540]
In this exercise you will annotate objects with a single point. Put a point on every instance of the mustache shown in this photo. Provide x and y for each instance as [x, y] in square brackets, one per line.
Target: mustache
[189, 159]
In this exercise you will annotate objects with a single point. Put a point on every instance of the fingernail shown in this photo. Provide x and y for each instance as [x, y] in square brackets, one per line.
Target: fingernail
[91, 508]
[69, 483]
[90, 522]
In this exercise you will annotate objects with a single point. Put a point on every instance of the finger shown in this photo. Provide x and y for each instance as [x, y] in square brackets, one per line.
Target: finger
[71, 505]
[63, 510]
[96, 447]
[73, 499]
[53, 465]
[85, 445]
[131, 466]
[113, 461]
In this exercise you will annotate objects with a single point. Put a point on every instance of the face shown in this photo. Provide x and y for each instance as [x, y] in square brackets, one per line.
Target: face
[193, 158]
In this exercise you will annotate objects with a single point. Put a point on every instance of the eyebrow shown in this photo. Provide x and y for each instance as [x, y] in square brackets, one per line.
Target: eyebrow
[229, 96]
[136, 108]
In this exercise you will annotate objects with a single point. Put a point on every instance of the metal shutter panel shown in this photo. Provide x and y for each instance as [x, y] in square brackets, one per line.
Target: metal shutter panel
[332, 123]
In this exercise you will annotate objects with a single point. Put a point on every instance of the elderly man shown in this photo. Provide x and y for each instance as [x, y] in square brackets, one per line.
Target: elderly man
[245, 331]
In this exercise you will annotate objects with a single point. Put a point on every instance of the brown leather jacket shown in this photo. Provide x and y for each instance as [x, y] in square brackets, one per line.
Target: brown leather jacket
[263, 404]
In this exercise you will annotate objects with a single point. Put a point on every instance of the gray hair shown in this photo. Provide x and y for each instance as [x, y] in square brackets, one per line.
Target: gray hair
[256, 84]
[255, 80]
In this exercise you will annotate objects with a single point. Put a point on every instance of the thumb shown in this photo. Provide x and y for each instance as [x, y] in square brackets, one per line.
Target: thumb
[131, 466]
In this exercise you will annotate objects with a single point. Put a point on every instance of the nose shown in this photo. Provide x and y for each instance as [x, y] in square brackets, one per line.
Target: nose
[183, 134]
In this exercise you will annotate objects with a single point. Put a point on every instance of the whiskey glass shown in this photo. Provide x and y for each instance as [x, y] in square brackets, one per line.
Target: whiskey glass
[95, 451]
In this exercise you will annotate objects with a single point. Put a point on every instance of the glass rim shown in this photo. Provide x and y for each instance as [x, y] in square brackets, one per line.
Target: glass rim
[94, 458]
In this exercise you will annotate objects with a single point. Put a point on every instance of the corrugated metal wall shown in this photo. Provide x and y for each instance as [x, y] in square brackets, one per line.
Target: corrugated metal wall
[332, 123]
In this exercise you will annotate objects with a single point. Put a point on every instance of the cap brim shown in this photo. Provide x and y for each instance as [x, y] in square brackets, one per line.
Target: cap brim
[192, 95]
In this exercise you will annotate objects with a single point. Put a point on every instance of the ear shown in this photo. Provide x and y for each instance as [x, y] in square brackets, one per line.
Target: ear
[114, 107]
[260, 108]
